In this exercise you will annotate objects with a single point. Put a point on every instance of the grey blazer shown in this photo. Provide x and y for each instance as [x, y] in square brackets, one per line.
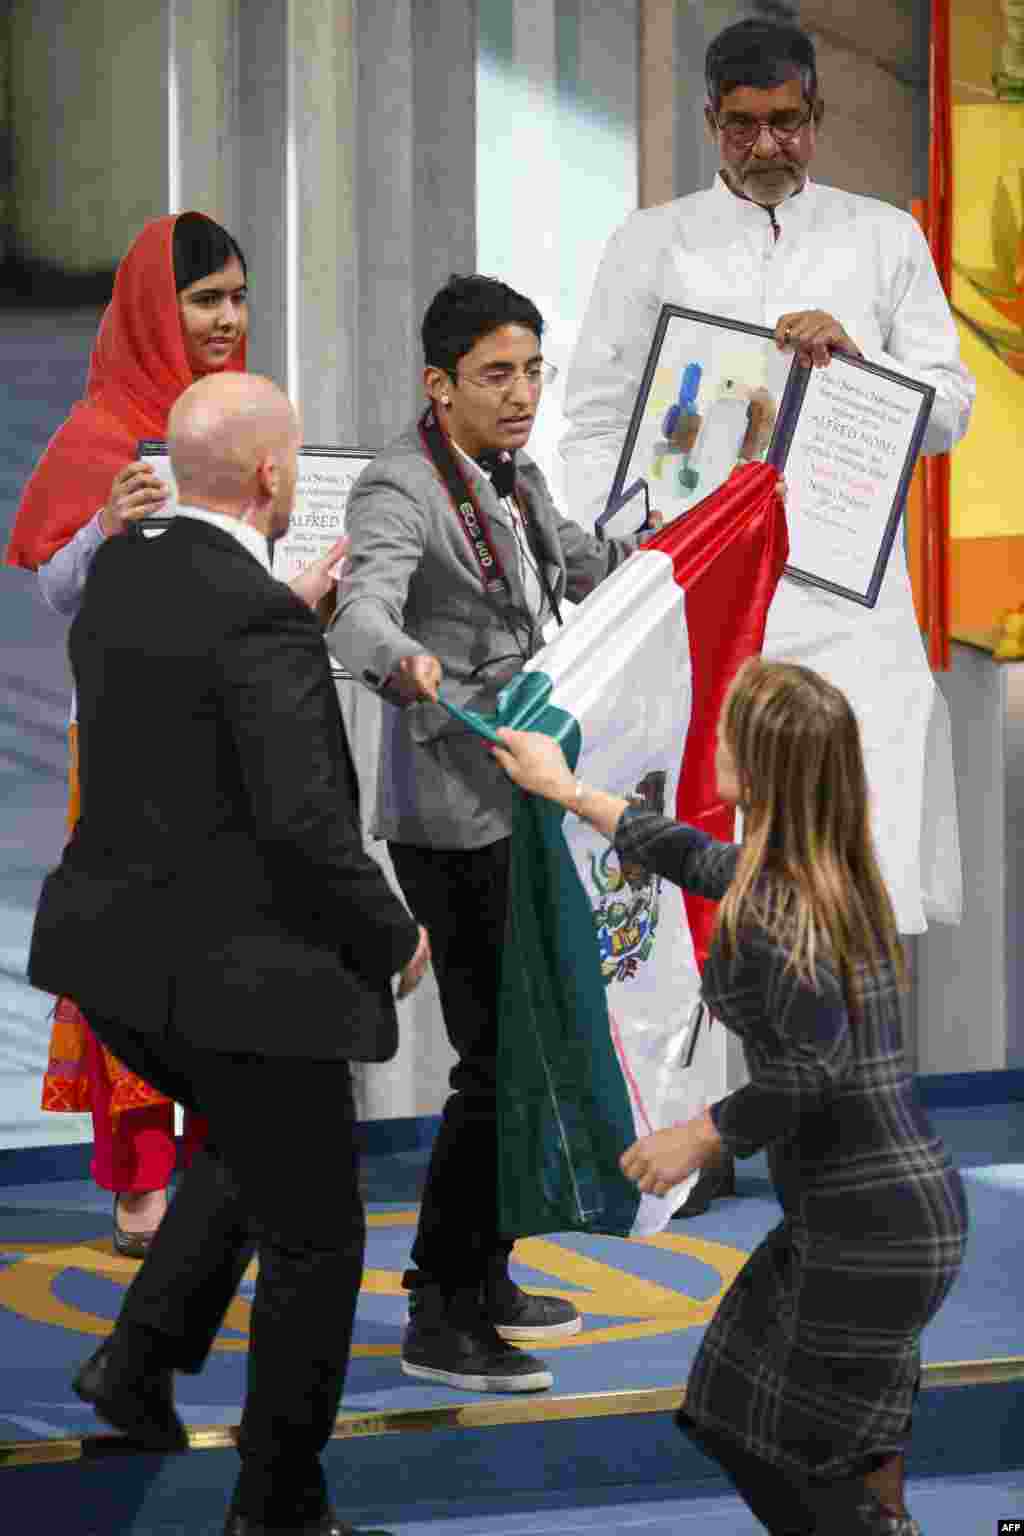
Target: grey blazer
[412, 585]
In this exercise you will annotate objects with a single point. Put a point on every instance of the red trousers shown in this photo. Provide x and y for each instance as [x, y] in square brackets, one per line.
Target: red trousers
[135, 1150]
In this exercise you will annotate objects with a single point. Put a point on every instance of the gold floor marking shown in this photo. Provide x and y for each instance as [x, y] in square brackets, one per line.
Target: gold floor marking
[598, 1289]
[27, 1289]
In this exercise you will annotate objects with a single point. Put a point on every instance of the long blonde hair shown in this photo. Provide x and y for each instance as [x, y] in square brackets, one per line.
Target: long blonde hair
[807, 870]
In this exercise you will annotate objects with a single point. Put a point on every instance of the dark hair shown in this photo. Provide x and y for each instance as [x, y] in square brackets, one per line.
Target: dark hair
[201, 247]
[761, 54]
[466, 309]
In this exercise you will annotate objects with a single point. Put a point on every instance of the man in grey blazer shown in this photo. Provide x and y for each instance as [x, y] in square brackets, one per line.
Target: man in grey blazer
[458, 558]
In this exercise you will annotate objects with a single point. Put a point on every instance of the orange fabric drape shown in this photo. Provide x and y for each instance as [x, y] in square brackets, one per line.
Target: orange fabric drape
[66, 1079]
[938, 225]
[137, 371]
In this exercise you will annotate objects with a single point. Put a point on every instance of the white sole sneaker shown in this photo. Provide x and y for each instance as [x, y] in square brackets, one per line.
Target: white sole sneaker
[513, 1334]
[534, 1381]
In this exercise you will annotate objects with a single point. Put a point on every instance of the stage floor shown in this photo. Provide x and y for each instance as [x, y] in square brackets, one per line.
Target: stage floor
[644, 1303]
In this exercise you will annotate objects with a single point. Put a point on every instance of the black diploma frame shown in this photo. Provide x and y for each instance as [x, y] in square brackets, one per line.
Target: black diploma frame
[846, 437]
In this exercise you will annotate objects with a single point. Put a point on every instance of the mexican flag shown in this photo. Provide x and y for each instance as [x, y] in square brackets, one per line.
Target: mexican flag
[601, 974]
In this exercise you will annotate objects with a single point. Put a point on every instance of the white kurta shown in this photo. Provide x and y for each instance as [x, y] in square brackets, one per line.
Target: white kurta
[867, 264]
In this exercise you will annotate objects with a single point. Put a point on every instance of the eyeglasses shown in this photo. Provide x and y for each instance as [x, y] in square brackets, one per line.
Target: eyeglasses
[744, 132]
[500, 377]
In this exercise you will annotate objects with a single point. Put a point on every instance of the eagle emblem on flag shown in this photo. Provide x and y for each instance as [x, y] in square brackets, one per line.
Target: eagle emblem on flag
[626, 913]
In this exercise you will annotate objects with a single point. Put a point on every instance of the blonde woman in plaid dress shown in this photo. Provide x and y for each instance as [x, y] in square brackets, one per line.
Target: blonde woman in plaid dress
[804, 1384]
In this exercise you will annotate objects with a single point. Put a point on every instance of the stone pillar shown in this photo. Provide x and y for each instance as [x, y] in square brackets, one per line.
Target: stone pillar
[349, 181]
[5, 130]
[413, 145]
[656, 125]
[416, 197]
[264, 193]
[873, 68]
[88, 128]
[262, 110]
[202, 109]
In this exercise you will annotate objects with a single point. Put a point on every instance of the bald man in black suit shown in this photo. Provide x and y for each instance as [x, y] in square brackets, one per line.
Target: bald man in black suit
[219, 922]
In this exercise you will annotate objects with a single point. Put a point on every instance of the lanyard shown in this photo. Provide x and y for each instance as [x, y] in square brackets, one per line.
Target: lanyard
[467, 508]
[471, 515]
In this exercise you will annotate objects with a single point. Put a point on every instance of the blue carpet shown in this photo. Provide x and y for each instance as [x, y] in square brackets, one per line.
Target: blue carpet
[608, 1475]
[61, 1290]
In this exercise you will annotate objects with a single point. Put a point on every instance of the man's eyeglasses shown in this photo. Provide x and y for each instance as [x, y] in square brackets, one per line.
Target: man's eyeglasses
[501, 376]
[744, 132]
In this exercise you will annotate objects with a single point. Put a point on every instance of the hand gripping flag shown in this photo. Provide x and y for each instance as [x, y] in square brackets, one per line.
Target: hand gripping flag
[599, 977]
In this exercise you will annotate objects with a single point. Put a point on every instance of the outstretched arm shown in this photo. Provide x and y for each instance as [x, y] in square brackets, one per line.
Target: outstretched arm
[536, 762]
[680, 852]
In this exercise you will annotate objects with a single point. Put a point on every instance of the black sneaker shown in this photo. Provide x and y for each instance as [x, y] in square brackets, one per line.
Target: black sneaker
[517, 1315]
[455, 1343]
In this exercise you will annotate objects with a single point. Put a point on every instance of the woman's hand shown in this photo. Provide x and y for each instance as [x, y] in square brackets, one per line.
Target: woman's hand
[319, 577]
[536, 762]
[657, 1163]
[135, 491]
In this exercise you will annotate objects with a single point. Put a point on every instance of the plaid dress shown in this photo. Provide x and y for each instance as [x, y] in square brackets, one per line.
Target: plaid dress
[812, 1359]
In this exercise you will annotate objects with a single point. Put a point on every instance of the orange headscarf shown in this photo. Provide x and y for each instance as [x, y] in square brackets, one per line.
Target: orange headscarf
[138, 369]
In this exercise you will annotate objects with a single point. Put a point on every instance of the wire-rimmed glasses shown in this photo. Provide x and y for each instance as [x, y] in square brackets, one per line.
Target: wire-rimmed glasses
[499, 377]
[743, 132]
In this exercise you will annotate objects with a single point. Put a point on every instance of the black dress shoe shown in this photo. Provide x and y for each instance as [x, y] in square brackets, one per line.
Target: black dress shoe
[716, 1180]
[326, 1524]
[140, 1406]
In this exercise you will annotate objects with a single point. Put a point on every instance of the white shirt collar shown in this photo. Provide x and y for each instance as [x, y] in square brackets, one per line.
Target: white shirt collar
[523, 460]
[253, 540]
[469, 459]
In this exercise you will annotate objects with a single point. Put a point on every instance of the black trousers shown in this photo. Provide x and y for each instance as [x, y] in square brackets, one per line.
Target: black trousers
[461, 898]
[279, 1176]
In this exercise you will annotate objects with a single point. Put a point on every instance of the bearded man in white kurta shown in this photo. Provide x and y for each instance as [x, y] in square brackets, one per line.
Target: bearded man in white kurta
[825, 269]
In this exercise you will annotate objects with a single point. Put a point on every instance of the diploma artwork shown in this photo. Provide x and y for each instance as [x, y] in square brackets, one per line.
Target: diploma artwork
[326, 476]
[719, 392]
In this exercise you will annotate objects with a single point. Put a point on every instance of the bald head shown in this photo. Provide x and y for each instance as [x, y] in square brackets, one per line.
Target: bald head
[232, 439]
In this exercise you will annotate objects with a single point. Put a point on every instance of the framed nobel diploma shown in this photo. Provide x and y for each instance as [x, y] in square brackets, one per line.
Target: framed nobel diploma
[326, 476]
[716, 392]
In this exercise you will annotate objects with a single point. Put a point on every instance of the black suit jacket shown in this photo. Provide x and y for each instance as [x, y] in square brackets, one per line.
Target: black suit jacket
[217, 877]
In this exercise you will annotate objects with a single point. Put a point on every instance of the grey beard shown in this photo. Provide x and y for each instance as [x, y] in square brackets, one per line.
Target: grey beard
[755, 185]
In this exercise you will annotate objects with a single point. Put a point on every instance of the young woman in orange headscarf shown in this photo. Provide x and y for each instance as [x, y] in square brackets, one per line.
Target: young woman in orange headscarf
[179, 310]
